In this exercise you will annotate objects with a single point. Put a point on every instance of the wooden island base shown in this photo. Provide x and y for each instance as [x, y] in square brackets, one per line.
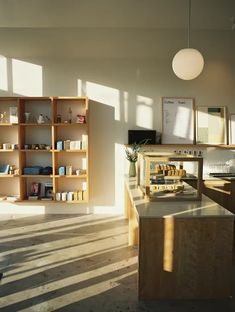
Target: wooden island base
[185, 249]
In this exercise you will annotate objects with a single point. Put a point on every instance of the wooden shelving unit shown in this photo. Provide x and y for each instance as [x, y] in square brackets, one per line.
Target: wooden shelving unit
[33, 133]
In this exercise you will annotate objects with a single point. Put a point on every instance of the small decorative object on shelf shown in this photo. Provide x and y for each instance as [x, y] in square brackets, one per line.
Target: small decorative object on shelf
[61, 170]
[38, 147]
[13, 114]
[12, 169]
[80, 171]
[27, 116]
[32, 170]
[70, 115]
[6, 146]
[3, 117]
[80, 119]
[35, 189]
[14, 146]
[40, 119]
[48, 190]
[69, 170]
[58, 118]
[48, 119]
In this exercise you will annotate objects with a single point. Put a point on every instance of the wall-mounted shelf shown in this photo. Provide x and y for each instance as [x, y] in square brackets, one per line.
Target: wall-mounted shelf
[48, 133]
[9, 176]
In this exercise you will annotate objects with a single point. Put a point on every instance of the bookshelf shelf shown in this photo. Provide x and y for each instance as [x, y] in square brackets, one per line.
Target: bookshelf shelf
[82, 176]
[9, 176]
[35, 176]
[35, 151]
[70, 151]
[35, 124]
[8, 124]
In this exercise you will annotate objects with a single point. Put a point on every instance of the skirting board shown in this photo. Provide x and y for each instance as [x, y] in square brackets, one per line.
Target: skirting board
[45, 208]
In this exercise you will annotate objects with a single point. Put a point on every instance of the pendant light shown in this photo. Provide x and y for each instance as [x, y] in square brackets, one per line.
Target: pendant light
[188, 63]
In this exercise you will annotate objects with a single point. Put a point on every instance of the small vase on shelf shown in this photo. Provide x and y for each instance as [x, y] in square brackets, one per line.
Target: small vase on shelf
[132, 169]
[27, 117]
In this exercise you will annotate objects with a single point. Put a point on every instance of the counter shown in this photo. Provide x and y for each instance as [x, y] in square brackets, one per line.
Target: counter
[221, 190]
[184, 247]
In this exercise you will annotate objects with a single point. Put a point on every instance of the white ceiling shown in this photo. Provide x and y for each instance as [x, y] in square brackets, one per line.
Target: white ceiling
[161, 14]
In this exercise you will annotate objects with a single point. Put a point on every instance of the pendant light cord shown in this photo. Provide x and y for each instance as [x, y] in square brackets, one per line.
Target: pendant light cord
[189, 20]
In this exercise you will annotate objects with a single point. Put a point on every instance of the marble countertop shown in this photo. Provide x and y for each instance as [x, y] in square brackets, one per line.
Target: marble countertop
[173, 209]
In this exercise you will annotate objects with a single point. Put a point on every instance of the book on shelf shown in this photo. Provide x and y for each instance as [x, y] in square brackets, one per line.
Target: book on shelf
[84, 141]
[75, 145]
[13, 197]
[32, 197]
[67, 144]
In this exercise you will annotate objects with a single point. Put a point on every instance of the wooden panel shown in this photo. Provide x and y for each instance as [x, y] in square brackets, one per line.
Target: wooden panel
[88, 146]
[221, 191]
[185, 258]
[130, 213]
[23, 188]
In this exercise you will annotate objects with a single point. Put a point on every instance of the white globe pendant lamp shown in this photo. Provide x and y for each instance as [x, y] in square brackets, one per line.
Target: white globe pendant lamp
[188, 63]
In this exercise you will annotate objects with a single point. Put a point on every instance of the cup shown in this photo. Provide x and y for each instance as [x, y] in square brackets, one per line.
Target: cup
[14, 146]
[6, 146]
[58, 196]
[64, 196]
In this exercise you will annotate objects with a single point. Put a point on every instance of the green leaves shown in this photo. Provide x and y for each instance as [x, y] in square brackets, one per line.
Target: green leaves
[132, 152]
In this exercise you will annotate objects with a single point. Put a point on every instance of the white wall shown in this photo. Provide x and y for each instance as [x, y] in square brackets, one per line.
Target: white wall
[125, 73]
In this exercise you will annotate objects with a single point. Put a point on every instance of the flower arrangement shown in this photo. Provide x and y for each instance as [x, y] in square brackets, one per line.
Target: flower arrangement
[132, 152]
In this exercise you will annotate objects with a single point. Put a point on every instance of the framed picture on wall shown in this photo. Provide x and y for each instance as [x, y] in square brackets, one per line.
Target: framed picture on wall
[211, 125]
[178, 123]
[232, 129]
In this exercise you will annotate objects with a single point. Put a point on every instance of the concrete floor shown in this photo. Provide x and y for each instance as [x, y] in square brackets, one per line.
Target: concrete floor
[76, 263]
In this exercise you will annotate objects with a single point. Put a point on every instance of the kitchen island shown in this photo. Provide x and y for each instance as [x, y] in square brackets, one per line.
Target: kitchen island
[184, 247]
